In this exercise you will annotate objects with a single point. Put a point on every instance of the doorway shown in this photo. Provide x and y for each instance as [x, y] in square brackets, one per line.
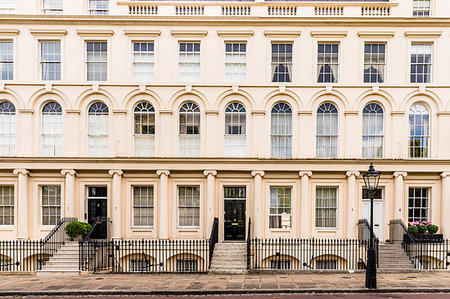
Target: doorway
[234, 213]
[97, 202]
[377, 212]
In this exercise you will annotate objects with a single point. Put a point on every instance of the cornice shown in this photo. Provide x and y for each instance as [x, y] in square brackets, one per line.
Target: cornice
[189, 33]
[334, 34]
[9, 32]
[95, 32]
[282, 33]
[48, 32]
[142, 33]
[422, 34]
[372, 34]
[235, 33]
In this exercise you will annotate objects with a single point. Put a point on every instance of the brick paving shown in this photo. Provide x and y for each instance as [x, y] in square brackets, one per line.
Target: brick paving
[214, 283]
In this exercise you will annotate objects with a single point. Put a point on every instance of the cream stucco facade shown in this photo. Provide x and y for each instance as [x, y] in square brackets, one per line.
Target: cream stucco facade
[120, 170]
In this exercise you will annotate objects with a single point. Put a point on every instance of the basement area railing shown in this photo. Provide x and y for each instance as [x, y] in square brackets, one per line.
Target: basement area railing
[431, 255]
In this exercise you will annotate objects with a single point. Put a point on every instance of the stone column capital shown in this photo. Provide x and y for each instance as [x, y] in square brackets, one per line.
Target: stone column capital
[258, 172]
[445, 174]
[353, 172]
[210, 172]
[404, 174]
[305, 172]
[68, 171]
[115, 171]
[21, 171]
[163, 171]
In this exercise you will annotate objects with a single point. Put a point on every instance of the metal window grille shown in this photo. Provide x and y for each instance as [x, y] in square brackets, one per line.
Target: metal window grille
[143, 198]
[281, 131]
[96, 61]
[280, 207]
[51, 205]
[6, 205]
[326, 207]
[374, 62]
[52, 7]
[419, 131]
[144, 130]
[327, 131]
[143, 61]
[235, 62]
[51, 129]
[280, 265]
[421, 63]
[188, 206]
[6, 60]
[189, 62]
[328, 63]
[373, 131]
[7, 6]
[140, 266]
[98, 7]
[326, 264]
[421, 8]
[187, 266]
[98, 129]
[418, 204]
[51, 60]
[189, 130]
[281, 63]
[7, 129]
[235, 131]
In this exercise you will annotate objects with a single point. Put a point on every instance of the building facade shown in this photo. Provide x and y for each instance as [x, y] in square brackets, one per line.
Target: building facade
[164, 115]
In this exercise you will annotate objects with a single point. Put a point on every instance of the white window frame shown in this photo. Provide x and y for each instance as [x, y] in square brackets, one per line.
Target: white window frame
[429, 191]
[235, 76]
[278, 207]
[42, 62]
[328, 134]
[7, 7]
[430, 64]
[370, 116]
[13, 206]
[87, 62]
[330, 64]
[281, 131]
[182, 137]
[56, 123]
[150, 63]
[11, 62]
[421, 9]
[371, 63]
[133, 206]
[98, 135]
[93, 10]
[319, 228]
[238, 141]
[199, 205]
[52, 7]
[425, 136]
[289, 65]
[42, 206]
[194, 63]
[11, 124]
[151, 136]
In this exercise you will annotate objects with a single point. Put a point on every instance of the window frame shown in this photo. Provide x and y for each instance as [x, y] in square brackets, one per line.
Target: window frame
[372, 42]
[383, 135]
[198, 77]
[428, 137]
[13, 125]
[429, 199]
[154, 207]
[133, 128]
[338, 189]
[200, 126]
[336, 76]
[328, 135]
[236, 114]
[86, 62]
[55, 136]
[291, 216]
[41, 77]
[245, 64]
[14, 206]
[177, 205]
[90, 11]
[420, 11]
[288, 65]
[431, 64]
[133, 62]
[41, 206]
[87, 128]
[286, 129]
[51, 11]
[12, 62]
[7, 10]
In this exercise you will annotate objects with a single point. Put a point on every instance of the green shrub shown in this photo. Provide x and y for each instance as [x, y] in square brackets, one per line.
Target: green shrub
[75, 228]
[413, 229]
[422, 229]
[432, 229]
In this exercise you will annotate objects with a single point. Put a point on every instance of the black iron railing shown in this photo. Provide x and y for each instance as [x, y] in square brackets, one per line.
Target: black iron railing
[429, 255]
[213, 239]
[249, 242]
[308, 254]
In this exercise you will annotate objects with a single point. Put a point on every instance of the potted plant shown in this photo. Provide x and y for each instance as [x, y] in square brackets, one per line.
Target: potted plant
[423, 232]
[77, 230]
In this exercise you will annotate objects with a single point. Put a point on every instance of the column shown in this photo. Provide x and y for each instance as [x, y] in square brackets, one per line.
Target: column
[69, 192]
[210, 189]
[163, 203]
[351, 204]
[22, 204]
[445, 201]
[399, 194]
[257, 220]
[305, 209]
[116, 203]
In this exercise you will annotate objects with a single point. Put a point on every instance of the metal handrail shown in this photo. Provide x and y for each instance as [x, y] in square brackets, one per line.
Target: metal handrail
[213, 239]
[249, 241]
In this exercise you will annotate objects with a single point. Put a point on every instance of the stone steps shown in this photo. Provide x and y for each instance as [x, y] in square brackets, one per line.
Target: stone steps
[63, 262]
[229, 258]
[392, 259]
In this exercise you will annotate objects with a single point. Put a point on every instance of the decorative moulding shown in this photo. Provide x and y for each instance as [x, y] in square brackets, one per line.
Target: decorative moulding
[328, 33]
[282, 33]
[235, 33]
[119, 111]
[9, 32]
[48, 32]
[212, 112]
[259, 112]
[162, 111]
[189, 33]
[72, 111]
[399, 113]
[383, 34]
[91, 32]
[29, 111]
[443, 113]
[351, 113]
[142, 33]
[305, 113]
[423, 33]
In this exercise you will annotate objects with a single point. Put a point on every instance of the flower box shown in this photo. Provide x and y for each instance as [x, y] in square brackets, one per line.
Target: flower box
[424, 238]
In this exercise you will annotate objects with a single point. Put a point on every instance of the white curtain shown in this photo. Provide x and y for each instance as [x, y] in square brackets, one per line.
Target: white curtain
[7, 134]
[51, 134]
[98, 135]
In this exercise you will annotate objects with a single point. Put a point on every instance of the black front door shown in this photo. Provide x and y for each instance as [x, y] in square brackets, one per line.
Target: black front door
[97, 210]
[234, 216]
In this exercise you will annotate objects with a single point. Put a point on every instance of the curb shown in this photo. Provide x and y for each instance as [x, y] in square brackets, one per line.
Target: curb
[222, 292]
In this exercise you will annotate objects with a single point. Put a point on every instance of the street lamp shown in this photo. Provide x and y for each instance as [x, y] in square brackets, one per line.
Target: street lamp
[371, 179]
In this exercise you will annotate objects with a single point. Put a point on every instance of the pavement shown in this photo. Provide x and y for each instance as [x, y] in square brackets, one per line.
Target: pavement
[214, 284]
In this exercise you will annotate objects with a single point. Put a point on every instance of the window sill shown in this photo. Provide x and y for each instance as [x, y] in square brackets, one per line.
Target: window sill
[6, 227]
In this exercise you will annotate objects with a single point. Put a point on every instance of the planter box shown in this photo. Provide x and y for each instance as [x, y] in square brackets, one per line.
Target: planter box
[424, 238]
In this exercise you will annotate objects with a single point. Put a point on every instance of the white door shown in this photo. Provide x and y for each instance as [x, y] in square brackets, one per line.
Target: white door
[377, 216]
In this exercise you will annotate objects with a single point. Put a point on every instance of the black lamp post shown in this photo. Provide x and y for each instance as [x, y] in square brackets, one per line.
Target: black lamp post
[371, 179]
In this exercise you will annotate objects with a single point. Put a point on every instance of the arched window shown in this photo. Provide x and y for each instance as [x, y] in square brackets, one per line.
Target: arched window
[144, 130]
[373, 131]
[419, 131]
[327, 131]
[235, 130]
[98, 129]
[51, 129]
[281, 131]
[7, 129]
[189, 131]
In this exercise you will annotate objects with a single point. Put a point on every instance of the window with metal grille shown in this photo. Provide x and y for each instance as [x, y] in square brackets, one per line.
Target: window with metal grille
[98, 7]
[235, 62]
[281, 131]
[51, 129]
[143, 61]
[96, 61]
[188, 206]
[326, 207]
[328, 63]
[421, 8]
[50, 60]
[143, 198]
[280, 265]
[281, 62]
[189, 62]
[235, 131]
[326, 264]
[140, 266]
[7, 129]
[6, 205]
[280, 207]
[189, 130]
[327, 131]
[418, 204]
[6, 60]
[421, 62]
[374, 62]
[144, 130]
[373, 131]
[51, 205]
[187, 266]
[52, 7]
[419, 131]
[98, 129]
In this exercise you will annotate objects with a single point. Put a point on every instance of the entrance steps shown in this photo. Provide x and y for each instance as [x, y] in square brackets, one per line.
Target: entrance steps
[229, 258]
[393, 259]
[64, 262]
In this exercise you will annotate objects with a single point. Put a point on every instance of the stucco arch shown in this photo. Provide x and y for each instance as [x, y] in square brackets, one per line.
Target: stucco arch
[230, 96]
[287, 96]
[171, 262]
[333, 96]
[341, 262]
[86, 98]
[430, 99]
[294, 262]
[42, 96]
[182, 96]
[382, 98]
[137, 96]
[13, 97]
